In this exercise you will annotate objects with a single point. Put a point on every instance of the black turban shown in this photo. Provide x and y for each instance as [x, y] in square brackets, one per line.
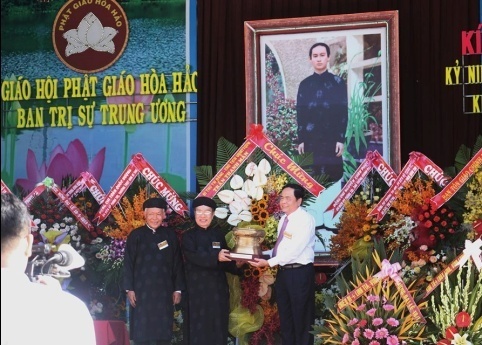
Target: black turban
[155, 203]
[204, 201]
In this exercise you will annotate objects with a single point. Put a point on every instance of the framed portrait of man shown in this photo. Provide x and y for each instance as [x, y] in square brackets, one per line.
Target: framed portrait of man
[327, 86]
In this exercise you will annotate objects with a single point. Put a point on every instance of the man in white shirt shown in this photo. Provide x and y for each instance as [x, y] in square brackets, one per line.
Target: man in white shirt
[35, 313]
[294, 254]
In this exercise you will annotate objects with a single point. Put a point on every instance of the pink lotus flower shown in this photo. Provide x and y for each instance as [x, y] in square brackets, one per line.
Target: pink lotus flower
[70, 162]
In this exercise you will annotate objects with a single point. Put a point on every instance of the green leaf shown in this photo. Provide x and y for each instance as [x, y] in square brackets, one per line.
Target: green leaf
[204, 174]
[226, 150]
[462, 157]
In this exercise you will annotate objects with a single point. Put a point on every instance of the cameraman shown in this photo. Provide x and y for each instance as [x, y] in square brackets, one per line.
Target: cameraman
[35, 313]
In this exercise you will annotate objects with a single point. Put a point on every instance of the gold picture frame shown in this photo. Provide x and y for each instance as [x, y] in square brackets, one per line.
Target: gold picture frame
[364, 52]
[290, 38]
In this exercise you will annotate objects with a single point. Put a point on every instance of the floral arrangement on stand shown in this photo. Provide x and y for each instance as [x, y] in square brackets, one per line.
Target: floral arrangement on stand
[425, 236]
[456, 311]
[250, 199]
[254, 203]
[380, 318]
[424, 240]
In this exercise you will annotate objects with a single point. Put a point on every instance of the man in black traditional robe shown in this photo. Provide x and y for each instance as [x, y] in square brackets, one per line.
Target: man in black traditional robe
[322, 115]
[206, 255]
[153, 276]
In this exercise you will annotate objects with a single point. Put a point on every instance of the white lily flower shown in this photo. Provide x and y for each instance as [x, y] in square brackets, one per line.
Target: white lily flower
[221, 212]
[460, 340]
[259, 193]
[264, 166]
[226, 196]
[255, 192]
[236, 182]
[249, 188]
[242, 197]
[260, 178]
[235, 218]
[236, 207]
[251, 169]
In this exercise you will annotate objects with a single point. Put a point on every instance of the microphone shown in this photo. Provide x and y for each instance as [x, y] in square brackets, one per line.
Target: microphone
[67, 257]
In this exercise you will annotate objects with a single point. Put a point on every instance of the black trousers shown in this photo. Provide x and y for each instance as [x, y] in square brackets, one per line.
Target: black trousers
[153, 342]
[295, 296]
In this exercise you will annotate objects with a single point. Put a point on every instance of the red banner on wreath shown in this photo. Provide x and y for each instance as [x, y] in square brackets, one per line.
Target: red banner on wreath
[5, 188]
[387, 271]
[39, 189]
[416, 162]
[138, 165]
[72, 207]
[453, 186]
[256, 138]
[472, 251]
[228, 169]
[49, 184]
[372, 160]
[86, 180]
[117, 192]
[160, 185]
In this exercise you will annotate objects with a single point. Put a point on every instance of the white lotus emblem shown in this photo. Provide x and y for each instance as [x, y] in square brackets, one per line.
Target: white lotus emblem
[90, 34]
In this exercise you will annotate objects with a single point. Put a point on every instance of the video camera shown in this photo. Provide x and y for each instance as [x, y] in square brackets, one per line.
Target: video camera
[56, 264]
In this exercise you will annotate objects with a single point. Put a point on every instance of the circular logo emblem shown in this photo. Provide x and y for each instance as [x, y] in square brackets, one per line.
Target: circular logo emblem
[90, 35]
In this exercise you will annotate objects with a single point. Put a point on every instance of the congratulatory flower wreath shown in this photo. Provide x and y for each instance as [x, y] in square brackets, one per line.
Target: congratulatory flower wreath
[424, 242]
[251, 199]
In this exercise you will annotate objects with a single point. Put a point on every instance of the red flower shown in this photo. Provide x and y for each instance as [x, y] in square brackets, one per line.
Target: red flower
[320, 278]
[450, 331]
[463, 319]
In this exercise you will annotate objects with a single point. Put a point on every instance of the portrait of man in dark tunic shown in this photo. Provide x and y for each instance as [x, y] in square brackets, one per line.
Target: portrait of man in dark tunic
[322, 115]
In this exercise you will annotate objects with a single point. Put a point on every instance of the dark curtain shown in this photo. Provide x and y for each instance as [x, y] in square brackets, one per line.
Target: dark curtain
[431, 115]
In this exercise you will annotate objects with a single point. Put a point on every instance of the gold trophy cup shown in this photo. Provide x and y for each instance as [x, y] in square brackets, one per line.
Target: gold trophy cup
[247, 243]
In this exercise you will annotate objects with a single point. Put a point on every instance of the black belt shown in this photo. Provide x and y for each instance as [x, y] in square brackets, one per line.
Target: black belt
[290, 266]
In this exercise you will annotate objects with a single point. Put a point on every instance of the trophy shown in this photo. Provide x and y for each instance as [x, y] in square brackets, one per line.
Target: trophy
[247, 243]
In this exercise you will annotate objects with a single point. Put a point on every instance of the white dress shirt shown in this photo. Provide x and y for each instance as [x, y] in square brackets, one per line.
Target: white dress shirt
[38, 314]
[298, 243]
